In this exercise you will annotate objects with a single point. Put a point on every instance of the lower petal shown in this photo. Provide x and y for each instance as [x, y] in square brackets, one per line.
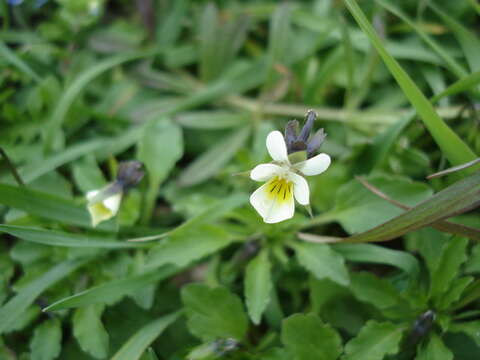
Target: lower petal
[300, 189]
[274, 201]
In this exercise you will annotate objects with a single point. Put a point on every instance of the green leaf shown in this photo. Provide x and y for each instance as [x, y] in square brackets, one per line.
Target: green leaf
[308, 338]
[375, 153]
[89, 331]
[371, 289]
[46, 341]
[211, 161]
[470, 328]
[160, 148]
[258, 286]
[141, 340]
[47, 206]
[375, 254]
[374, 342]
[456, 151]
[468, 40]
[214, 312]
[448, 267]
[464, 84]
[435, 349]
[14, 308]
[322, 261]
[74, 89]
[358, 209]
[113, 290]
[455, 292]
[36, 169]
[56, 238]
[13, 59]
[184, 247]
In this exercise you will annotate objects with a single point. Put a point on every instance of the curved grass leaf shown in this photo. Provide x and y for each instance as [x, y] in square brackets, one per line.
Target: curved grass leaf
[211, 161]
[449, 60]
[464, 84]
[15, 307]
[139, 342]
[456, 151]
[113, 290]
[33, 171]
[468, 41]
[13, 59]
[72, 92]
[455, 199]
[57, 238]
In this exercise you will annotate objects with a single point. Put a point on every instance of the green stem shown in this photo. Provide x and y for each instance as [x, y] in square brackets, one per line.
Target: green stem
[12, 168]
[150, 199]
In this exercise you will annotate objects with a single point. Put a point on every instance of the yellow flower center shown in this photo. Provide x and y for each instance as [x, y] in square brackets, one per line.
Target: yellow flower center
[279, 189]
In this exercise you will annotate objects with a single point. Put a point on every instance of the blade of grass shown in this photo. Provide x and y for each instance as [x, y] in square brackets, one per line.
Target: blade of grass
[459, 86]
[139, 342]
[34, 170]
[445, 226]
[113, 290]
[13, 59]
[468, 41]
[456, 151]
[460, 197]
[75, 88]
[14, 308]
[56, 238]
[449, 60]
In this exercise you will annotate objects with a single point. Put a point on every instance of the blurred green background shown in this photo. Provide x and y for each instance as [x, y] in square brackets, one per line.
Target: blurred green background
[191, 89]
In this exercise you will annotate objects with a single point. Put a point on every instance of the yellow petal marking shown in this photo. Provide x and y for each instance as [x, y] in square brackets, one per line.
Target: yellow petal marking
[280, 190]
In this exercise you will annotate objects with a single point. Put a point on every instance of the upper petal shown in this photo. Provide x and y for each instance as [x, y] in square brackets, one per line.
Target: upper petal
[314, 166]
[273, 206]
[276, 146]
[300, 189]
[264, 172]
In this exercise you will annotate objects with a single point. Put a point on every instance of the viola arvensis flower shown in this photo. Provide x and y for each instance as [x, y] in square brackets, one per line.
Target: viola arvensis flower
[293, 158]
[104, 203]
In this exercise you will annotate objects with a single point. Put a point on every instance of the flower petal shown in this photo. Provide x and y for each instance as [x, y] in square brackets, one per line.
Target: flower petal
[274, 205]
[276, 146]
[103, 210]
[264, 172]
[315, 165]
[300, 189]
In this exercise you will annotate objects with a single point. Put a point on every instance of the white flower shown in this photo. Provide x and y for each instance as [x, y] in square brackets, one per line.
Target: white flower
[284, 181]
[104, 209]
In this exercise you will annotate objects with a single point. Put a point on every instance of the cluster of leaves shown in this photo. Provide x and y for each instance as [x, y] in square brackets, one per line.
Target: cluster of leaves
[187, 270]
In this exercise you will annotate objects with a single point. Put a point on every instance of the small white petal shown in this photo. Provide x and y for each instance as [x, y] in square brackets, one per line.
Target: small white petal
[276, 146]
[264, 172]
[300, 189]
[105, 209]
[314, 166]
[272, 207]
